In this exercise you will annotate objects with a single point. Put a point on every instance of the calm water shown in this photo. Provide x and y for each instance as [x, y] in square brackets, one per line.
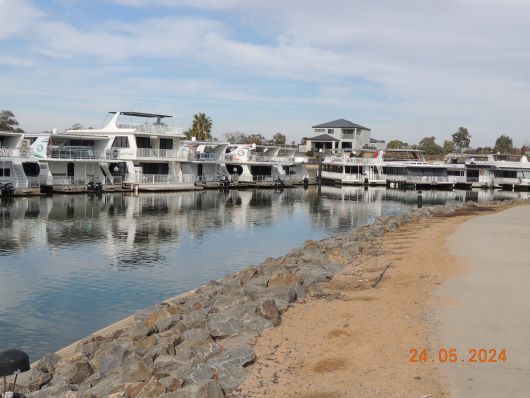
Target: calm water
[70, 265]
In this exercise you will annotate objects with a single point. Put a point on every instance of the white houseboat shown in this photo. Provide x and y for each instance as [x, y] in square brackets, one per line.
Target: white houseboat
[491, 170]
[19, 174]
[250, 164]
[141, 153]
[206, 162]
[408, 168]
[354, 168]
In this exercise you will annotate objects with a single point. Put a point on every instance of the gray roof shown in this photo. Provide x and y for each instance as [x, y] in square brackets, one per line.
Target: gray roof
[322, 137]
[375, 141]
[339, 124]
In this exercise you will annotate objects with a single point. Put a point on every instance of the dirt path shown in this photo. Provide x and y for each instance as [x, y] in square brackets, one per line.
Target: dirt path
[351, 340]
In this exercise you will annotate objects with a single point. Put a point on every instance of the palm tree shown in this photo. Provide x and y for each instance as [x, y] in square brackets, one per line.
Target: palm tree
[202, 126]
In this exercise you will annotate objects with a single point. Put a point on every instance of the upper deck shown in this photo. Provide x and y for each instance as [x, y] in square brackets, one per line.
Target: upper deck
[135, 123]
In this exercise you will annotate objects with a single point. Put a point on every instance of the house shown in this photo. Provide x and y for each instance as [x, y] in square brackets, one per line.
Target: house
[338, 134]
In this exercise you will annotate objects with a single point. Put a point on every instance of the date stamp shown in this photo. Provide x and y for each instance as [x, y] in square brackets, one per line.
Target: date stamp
[452, 355]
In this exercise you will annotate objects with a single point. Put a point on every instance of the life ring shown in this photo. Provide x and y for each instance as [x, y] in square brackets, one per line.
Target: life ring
[481, 172]
[115, 153]
[241, 152]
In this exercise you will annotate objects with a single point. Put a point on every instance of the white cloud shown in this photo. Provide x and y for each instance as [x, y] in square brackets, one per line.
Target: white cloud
[426, 64]
[15, 15]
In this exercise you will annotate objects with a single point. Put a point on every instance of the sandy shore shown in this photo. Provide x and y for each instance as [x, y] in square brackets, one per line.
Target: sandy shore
[351, 340]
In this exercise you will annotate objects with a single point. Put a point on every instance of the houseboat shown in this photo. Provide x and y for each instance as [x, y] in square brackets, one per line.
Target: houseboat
[354, 168]
[472, 170]
[259, 165]
[506, 171]
[512, 172]
[19, 174]
[206, 162]
[134, 150]
[408, 168]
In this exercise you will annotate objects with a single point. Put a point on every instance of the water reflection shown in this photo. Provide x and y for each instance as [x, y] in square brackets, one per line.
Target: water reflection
[72, 264]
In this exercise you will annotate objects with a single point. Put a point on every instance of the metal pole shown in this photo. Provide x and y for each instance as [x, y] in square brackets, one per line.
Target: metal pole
[319, 171]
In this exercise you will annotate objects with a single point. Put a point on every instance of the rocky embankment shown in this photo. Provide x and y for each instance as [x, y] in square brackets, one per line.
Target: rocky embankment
[198, 345]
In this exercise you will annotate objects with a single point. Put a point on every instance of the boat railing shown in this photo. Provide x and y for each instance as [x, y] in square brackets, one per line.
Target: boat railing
[75, 152]
[353, 160]
[271, 159]
[422, 179]
[6, 152]
[69, 181]
[28, 182]
[151, 128]
[269, 178]
[204, 156]
[83, 181]
[161, 153]
[510, 181]
[160, 178]
[209, 177]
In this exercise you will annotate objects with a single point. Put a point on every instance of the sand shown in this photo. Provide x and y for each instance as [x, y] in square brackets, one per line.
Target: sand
[351, 340]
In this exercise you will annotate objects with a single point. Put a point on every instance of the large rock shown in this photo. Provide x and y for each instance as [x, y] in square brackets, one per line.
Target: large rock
[153, 388]
[267, 309]
[47, 363]
[202, 389]
[111, 356]
[72, 370]
[47, 392]
[229, 366]
[39, 380]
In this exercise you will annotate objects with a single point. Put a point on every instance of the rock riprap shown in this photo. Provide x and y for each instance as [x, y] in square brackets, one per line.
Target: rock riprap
[198, 345]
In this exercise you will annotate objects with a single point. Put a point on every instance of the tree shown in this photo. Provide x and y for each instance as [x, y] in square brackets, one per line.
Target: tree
[397, 144]
[461, 138]
[279, 139]
[236, 138]
[257, 139]
[430, 147]
[449, 146]
[201, 127]
[503, 144]
[8, 122]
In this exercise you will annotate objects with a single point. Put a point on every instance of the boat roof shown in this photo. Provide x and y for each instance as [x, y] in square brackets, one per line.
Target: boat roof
[403, 150]
[10, 133]
[142, 114]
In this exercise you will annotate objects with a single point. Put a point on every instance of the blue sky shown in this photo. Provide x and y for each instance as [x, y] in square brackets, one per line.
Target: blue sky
[405, 69]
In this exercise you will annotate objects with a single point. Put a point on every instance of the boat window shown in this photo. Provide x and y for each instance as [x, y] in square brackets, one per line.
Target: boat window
[166, 143]
[120, 142]
[143, 142]
[5, 172]
[31, 169]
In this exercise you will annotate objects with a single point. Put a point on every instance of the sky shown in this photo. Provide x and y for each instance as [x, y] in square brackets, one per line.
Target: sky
[406, 69]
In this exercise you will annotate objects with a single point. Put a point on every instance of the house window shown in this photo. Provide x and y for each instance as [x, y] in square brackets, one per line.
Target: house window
[320, 130]
[330, 131]
[120, 142]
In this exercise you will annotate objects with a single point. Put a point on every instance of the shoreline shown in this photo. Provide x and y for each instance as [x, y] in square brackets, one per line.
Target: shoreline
[263, 294]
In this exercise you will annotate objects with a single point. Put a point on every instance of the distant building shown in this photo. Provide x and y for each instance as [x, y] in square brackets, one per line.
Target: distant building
[339, 134]
[377, 144]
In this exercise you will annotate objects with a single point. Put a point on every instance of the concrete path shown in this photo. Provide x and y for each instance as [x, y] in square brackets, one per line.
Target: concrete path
[489, 306]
